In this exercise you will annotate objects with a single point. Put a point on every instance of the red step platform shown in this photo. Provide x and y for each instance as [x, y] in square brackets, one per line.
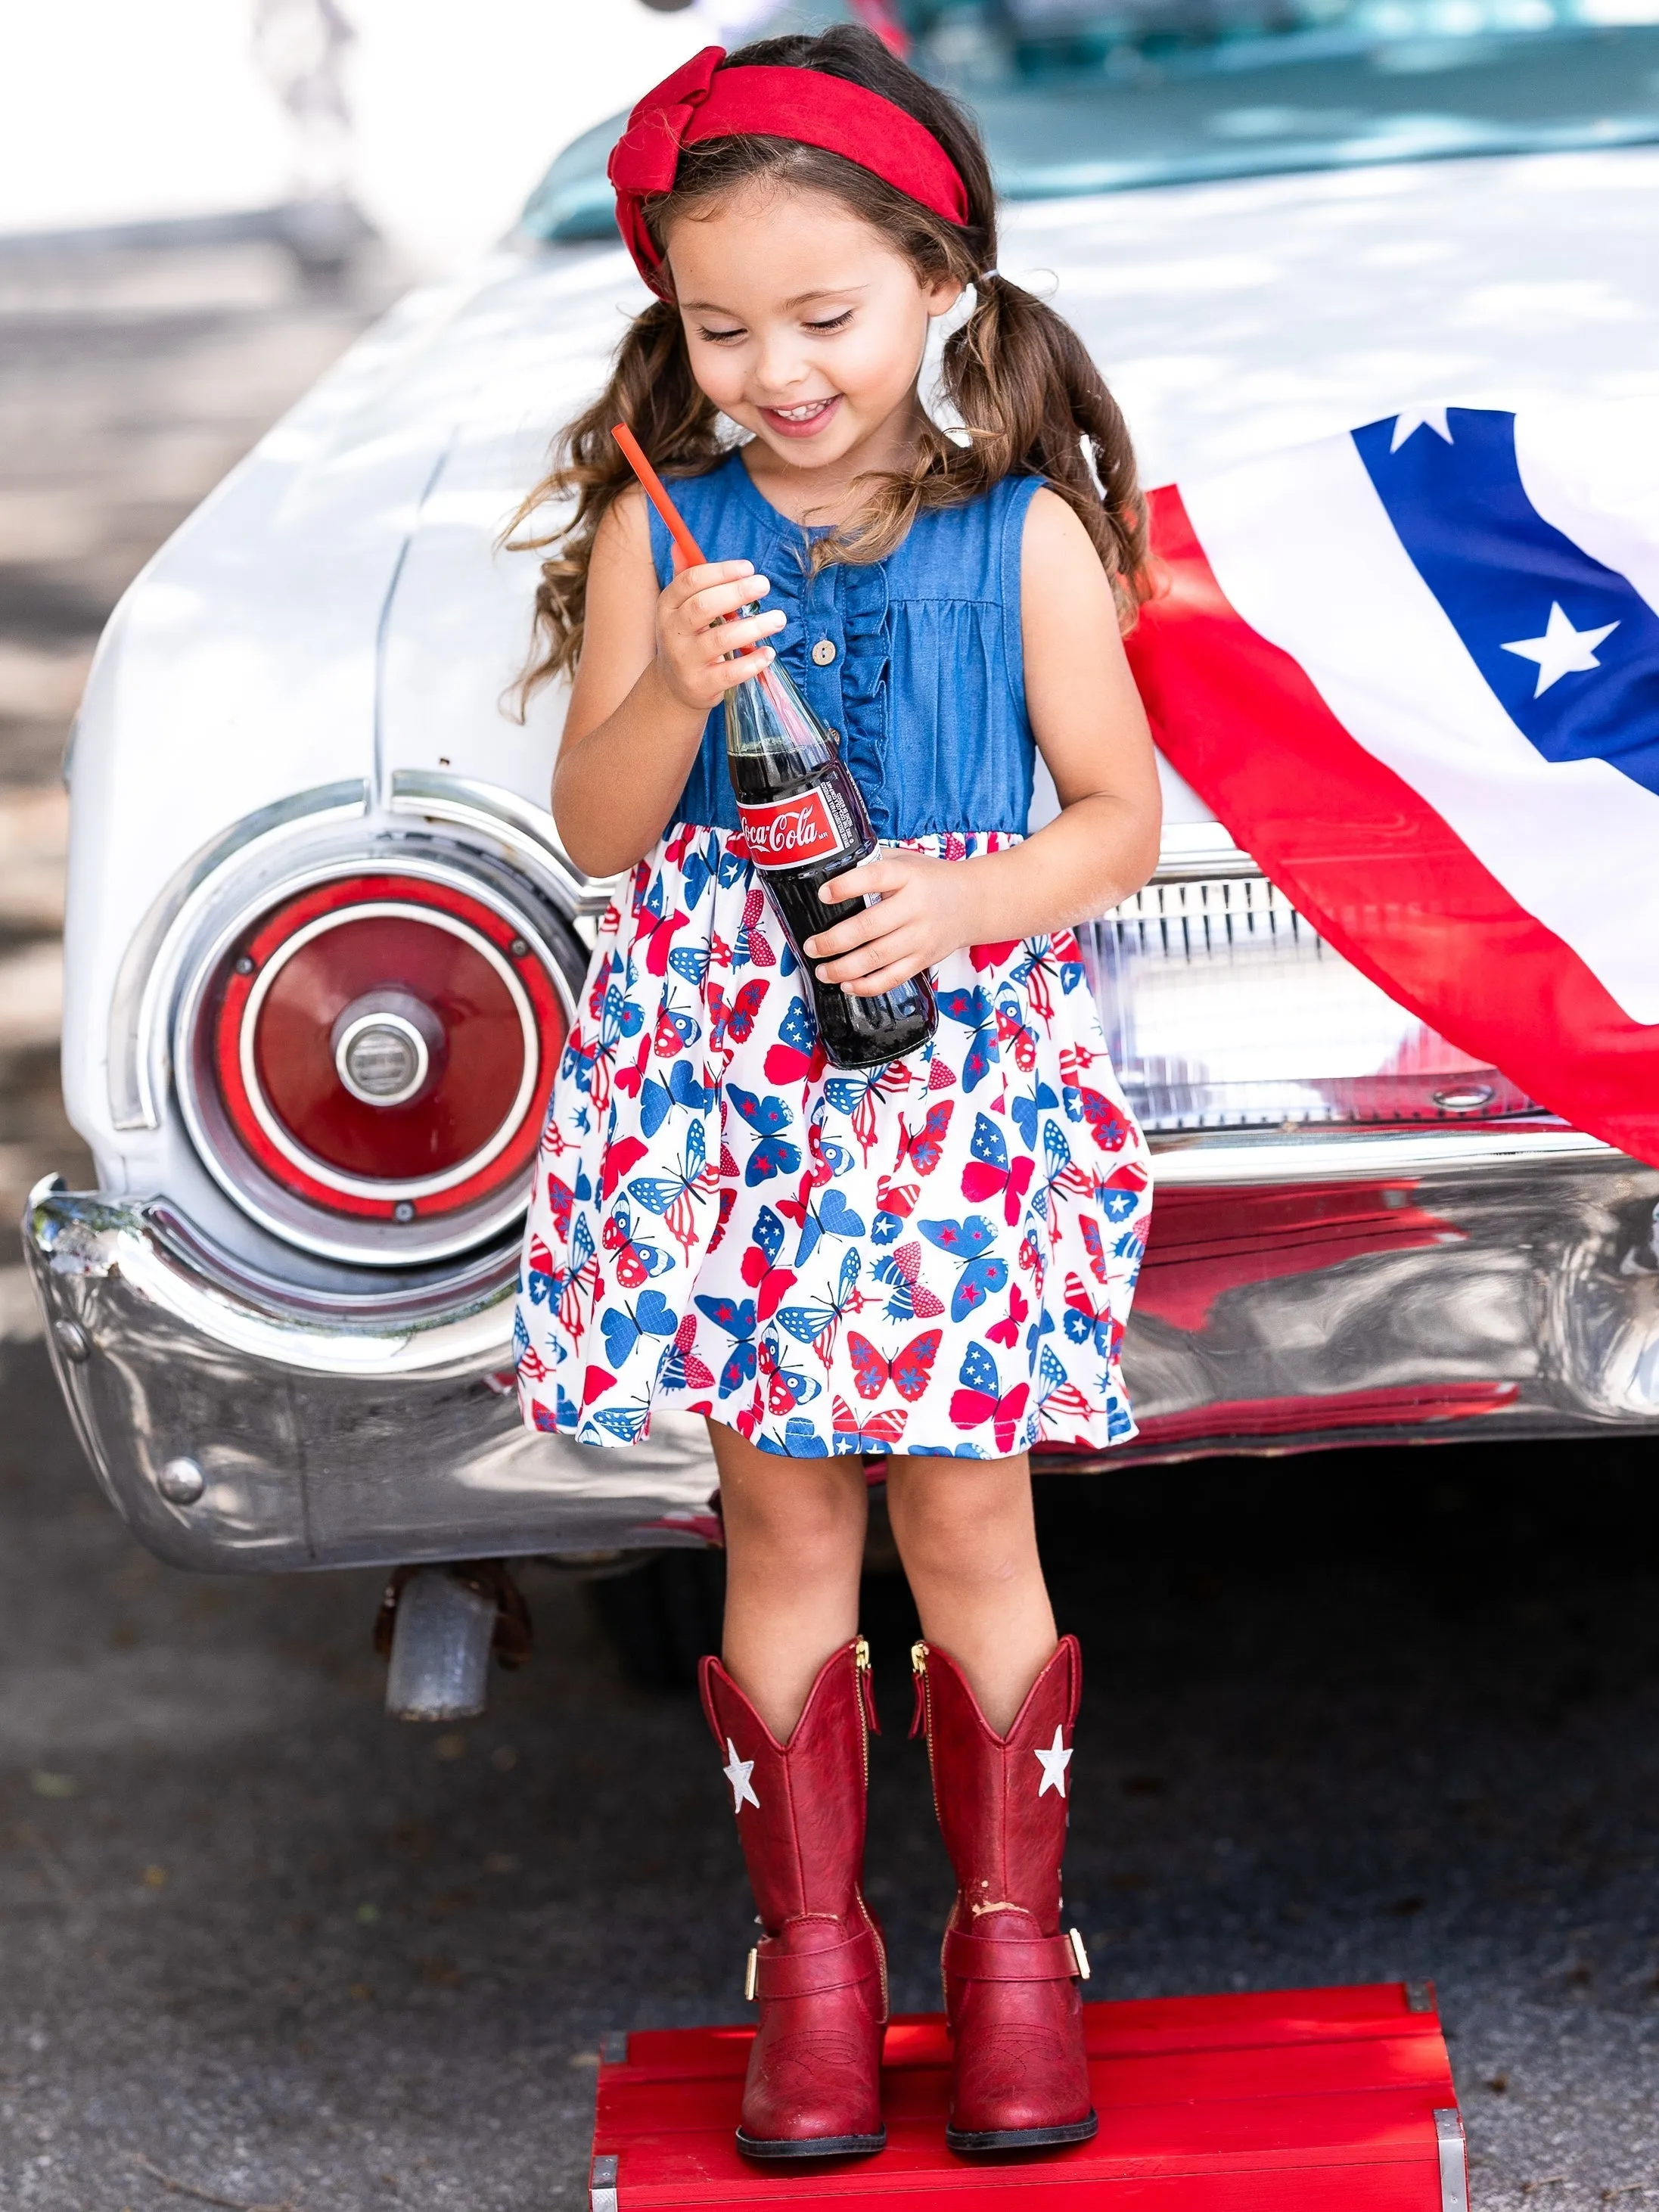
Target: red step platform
[1298, 2100]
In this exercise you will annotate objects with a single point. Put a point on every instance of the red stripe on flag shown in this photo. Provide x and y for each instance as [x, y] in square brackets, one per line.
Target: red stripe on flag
[1381, 876]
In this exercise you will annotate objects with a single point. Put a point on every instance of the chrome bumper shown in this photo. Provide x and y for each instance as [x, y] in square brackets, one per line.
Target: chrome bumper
[1314, 1287]
[230, 1430]
[1300, 1290]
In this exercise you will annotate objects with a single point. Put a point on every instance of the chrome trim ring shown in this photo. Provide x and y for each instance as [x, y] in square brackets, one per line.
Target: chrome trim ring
[290, 1217]
[365, 1186]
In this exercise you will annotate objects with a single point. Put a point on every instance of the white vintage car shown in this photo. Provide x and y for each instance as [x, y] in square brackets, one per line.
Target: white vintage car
[322, 940]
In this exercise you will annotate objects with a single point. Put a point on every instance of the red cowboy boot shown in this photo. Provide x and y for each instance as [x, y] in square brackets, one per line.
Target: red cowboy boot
[1018, 2076]
[818, 1972]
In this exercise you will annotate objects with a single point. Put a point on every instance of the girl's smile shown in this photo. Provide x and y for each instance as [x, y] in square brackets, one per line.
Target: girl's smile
[805, 326]
[807, 421]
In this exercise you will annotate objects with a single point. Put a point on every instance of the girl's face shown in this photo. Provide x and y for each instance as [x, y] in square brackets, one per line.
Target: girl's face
[805, 324]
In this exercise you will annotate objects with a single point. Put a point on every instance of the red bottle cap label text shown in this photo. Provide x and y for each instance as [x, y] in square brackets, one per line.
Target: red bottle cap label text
[786, 833]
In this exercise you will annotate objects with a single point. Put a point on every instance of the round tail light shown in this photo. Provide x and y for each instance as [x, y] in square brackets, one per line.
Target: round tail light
[371, 1059]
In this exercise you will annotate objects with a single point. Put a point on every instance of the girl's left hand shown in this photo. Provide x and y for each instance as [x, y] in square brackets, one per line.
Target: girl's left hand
[928, 911]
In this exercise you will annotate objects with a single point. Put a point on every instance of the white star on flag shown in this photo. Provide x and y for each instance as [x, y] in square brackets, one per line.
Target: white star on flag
[1405, 425]
[737, 1772]
[1056, 1761]
[1562, 650]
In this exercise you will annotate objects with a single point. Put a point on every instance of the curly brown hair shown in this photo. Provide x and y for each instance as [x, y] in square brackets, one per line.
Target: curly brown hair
[1028, 394]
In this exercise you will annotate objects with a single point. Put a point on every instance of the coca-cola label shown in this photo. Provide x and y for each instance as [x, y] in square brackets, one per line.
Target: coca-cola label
[787, 833]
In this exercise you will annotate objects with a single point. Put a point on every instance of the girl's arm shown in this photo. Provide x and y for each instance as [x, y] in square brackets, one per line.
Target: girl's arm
[1090, 728]
[652, 667]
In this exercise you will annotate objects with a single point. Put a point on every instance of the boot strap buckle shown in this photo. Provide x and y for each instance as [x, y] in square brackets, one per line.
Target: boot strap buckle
[776, 1972]
[1015, 1958]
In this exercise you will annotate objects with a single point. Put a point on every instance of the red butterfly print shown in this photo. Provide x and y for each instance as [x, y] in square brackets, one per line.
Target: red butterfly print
[1089, 1229]
[561, 1203]
[940, 1075]
[760, 1269]
[656, 933]
[991, 956]
[898, 1199]
[723, 1213]
[752, 942]
[682, 1370]
[911, 1297]
[1008, 1332]
[636, 1260]
[909, 1370]
[630, 1078]
[1014, 1037]
[739, 1012]
[925, 1146]
[868, 1431]
[1106, 1125]
[989, 1172]
[978, 1401]
[625, 1153]
[595, 1382]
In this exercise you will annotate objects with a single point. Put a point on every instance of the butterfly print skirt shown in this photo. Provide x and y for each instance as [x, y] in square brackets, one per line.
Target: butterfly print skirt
[936, 1256]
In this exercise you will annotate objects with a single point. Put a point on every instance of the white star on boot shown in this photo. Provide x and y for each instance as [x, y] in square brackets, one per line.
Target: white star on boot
[1054, 1760]
[738, 1771]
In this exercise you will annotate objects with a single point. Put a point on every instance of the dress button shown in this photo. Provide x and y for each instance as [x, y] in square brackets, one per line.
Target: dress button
[824, 651]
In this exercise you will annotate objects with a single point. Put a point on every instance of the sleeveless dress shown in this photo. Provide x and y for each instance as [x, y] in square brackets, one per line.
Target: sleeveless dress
[935, 1257]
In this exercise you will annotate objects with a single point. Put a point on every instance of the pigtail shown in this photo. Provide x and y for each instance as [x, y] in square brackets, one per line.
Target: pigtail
[1031, 399]
[652, 388]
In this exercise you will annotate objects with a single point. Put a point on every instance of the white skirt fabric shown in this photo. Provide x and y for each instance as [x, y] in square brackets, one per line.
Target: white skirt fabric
[937, 1256]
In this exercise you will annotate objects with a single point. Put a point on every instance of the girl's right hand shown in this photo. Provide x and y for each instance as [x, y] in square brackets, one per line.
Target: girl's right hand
[696, 635]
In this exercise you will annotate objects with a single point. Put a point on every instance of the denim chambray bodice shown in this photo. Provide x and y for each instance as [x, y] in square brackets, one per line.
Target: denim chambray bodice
[927, 683]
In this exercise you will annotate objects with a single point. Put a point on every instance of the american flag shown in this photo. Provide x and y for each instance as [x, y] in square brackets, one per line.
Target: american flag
[1414, 669]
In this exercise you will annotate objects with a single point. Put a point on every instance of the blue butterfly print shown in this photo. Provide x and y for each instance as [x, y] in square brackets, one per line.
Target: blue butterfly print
[569, 1413]
[974, 1011]
[691, 963]
[828, 1215]
[818, 1324]
[773, 1155]
[1058, 1174]
[707, 864]
[983, 1275]
[677, 1197]
[801, 1441]
[626, 1423]
[1084, 1321]
[835, 1156]
[622, 1329]
[1025, 1112]
[681, 1088]
[737, 1317]
[619, 1019]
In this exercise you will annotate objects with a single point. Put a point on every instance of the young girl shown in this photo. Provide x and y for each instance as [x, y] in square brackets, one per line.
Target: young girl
[932, 1260]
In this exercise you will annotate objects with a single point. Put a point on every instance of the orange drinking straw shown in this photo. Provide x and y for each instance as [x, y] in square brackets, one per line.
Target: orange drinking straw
[657, 493]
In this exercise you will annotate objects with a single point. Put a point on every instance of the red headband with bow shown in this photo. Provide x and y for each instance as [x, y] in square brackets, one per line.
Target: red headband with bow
[704, 100]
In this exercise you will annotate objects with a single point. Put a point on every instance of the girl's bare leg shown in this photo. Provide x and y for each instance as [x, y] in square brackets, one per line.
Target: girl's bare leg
[965, 1533]
[794, 1544]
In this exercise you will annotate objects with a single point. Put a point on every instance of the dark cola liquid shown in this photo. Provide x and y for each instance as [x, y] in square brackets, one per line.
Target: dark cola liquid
[806, 823]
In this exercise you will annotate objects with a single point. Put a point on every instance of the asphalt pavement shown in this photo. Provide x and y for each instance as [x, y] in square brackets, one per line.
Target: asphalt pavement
[1349, 1718]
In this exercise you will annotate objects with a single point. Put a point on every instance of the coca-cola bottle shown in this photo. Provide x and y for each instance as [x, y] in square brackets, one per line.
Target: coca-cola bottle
[806, 823]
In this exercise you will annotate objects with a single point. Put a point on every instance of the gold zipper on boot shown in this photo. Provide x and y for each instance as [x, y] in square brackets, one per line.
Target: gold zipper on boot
[861, 1684]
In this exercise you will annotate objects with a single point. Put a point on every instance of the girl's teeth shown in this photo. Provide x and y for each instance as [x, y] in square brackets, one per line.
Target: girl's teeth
[802, 414]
